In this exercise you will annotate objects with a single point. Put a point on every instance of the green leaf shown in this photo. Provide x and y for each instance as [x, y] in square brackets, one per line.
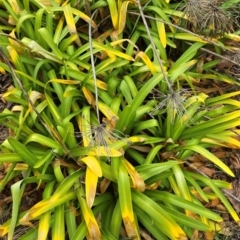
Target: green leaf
[23, 152]
[148, 170]
[204, 152]
[125, 200]
[169, 198]
[165, 223]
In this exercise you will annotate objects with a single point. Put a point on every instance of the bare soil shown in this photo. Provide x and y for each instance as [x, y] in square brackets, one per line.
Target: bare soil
[5, 82]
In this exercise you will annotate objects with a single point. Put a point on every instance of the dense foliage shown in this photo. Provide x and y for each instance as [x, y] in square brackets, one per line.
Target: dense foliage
[116, 103]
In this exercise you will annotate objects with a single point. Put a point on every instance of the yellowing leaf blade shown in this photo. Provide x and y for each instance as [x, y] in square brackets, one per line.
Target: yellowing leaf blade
[162, 33]
[211, 157]
[147, 61]
[110, 51]
[103, 152]
[137, 180]
[92, 225]
[93, 164]
[122, 16]
[88, 95]
[114, 12]
[125, 199]
[64, 81]
[107, 111]
[84, 17]
[70, 22]
[91, 186]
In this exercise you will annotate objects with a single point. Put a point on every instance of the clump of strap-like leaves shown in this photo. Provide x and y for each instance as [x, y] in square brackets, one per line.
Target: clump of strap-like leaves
[106, 119]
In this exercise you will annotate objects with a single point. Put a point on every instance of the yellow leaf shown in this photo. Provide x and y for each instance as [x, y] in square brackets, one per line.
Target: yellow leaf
[188, 37]
[84, 17]
[11, 20]
[21, 167]
[100, 84]
[2, 70]
[111, 52]
[35, 211]
[135, 139]
[162, 33]
[122, 16]
[147, 61]
[233, 37]
[34, 96]
[224, 141]
[20, 48]
[4, 229]
[64, 81]
[93, 164]
[44, 225]
[13, 53]
[13, 91]
[91, 181]
[114, 13]
[103, 152]
[14, 5]
[70, 22]
[106, 110]
[88, 95]
[130, 227]
[120, 41]
[138, 182]
[17, 108]
[92, 225]
[105, 64]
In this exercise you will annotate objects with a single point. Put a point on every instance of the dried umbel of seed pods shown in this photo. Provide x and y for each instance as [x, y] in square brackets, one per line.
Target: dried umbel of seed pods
[216, 21]
[194, 9]
[102, 135]
[208, 18]
[173, 100]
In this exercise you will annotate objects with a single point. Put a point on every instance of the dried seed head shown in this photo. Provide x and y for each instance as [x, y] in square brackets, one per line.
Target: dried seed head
[102, 135]
[208, 18]
[173, 100]
[216, 21]
[193, 9]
